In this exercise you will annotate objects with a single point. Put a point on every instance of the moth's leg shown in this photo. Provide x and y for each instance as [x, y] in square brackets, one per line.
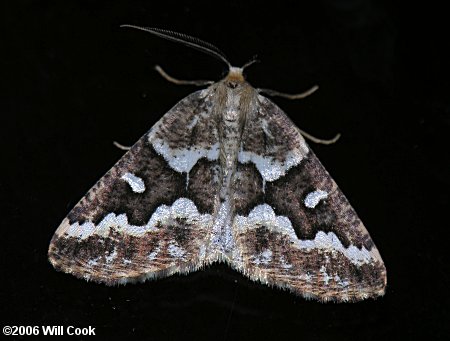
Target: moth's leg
[180, 81]
[120, 146]
[289, 96]
[298, 96]
[317, 140]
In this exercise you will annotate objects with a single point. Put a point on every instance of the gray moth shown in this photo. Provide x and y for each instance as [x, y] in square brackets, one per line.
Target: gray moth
[223, 176]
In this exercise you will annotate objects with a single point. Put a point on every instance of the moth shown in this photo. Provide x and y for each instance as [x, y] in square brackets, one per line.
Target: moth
[223, 176]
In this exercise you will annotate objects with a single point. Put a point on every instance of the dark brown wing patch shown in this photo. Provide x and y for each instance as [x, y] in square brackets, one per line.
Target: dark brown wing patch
[272, 258]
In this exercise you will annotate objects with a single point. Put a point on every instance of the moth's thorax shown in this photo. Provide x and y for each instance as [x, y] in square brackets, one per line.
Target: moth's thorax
[231, 119]
[234, 95]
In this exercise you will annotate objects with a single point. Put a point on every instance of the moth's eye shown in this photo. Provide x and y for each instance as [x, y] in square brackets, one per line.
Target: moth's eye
[232, 85]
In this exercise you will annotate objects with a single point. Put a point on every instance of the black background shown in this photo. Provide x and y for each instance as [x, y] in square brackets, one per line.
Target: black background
[73, 82]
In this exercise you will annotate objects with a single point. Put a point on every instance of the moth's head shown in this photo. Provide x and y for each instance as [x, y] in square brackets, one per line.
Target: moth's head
[236, 74]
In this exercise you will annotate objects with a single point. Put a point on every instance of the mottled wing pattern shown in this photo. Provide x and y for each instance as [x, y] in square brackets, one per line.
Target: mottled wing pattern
[140, 221]
[298, 231]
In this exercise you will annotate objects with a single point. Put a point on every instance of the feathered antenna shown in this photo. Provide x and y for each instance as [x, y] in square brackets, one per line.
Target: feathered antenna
[186, 40]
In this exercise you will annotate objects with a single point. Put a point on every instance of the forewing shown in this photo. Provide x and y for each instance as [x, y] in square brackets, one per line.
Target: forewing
[148, 216]
[297, 230]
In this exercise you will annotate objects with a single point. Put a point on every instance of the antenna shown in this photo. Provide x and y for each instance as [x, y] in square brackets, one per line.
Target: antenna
[185, 39]
[251, 62]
